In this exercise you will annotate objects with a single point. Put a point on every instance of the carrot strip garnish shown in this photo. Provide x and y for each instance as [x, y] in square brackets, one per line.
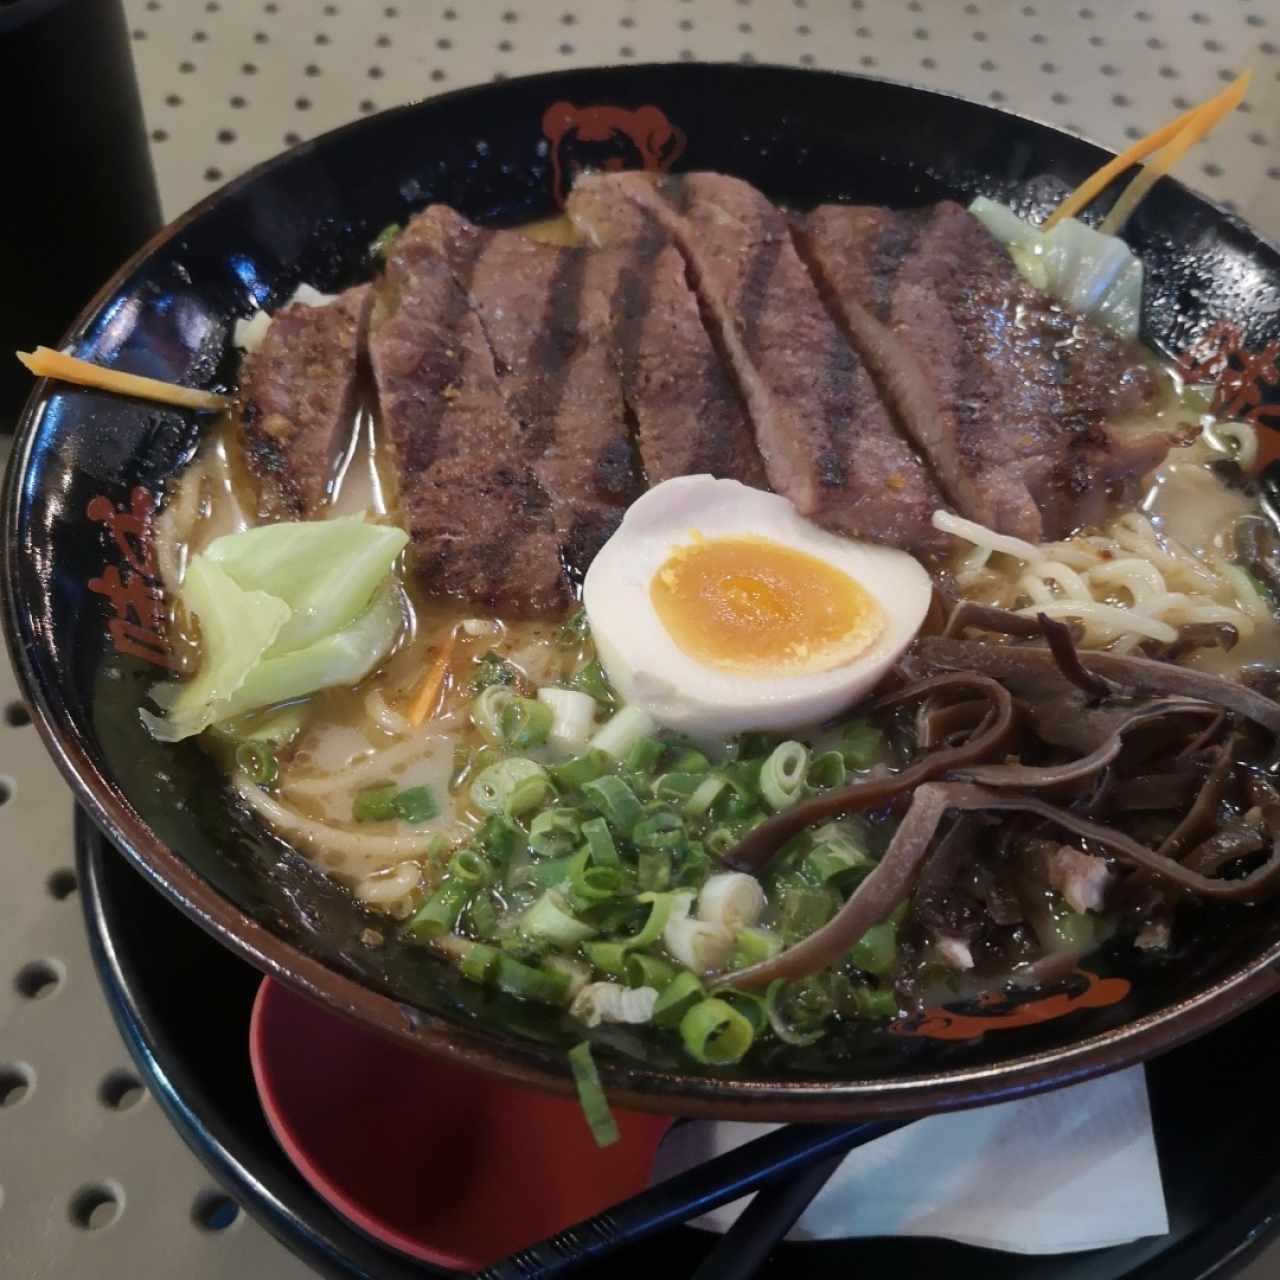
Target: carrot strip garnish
[1206, 118]
[45, 362]
[1092, 186]
[424, 701]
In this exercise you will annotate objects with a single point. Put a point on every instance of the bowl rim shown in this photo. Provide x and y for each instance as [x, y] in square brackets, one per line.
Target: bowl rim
[637, 1088]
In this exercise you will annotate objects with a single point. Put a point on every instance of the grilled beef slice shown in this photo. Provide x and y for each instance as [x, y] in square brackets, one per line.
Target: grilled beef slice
[545, 314]
[689, 417]
[483, 527]
[826, 438]
[298, 402]
[1005, 392]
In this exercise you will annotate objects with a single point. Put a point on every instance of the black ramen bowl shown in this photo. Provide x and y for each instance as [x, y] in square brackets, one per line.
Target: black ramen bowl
[80, 588]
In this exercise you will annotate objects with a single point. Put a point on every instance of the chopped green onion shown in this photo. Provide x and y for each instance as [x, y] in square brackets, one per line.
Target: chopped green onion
[719, 840]
[385, 240]
[862, 744]
[874, 951]
[704, 794]
[750, 1005]
[482, 916]
[643, 754]
[794, 1013]
[573, 716]
[828, 770]
[608, 957]
[440, 912]
[550, 873]
[511, 787]
[753, 945]
[659, 914]
[259, 761]
[676, 786]
[618, 914]
[618, 735]
[677, 998]
[653, 869]
[546, 986]
[660, 830]
[782, 775]
[479, 963]
[492, 669]
[648, 971]
[519, 946]
[573, 631]
[416, 804]
[375, 804]
[744, 795]
[549, 920]
[693, 867]
[470, 868]
[874, 1004]
[604, 853]
[555, 832]
[830, 863]
[690, 760]
[615, 800]
[489, 710]
[595, 1106]
[1076, 930]
[595, 884]
[498, 837]
[526, 723]
[584, 768]
[592, 679]
[715, 1033]
[803, 911]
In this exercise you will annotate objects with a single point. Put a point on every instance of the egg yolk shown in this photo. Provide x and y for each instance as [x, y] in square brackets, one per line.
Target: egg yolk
[746, 604]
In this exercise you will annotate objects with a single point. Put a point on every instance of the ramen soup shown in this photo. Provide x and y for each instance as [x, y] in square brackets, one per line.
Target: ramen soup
[731, 623]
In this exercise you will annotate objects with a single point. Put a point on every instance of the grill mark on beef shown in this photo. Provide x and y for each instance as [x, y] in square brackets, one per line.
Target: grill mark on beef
[897, 240]
[538, 401]
[754, 294]
[833, 468]
[629, 306]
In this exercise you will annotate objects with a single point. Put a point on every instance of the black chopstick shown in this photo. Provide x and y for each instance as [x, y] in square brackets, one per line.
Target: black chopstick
[775, 1156]
[769, 1216]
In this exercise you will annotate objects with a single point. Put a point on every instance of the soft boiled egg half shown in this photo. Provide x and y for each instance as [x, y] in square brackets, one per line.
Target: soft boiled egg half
[718, 608]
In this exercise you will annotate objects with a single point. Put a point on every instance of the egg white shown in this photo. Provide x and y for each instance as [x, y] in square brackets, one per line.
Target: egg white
[648, 668]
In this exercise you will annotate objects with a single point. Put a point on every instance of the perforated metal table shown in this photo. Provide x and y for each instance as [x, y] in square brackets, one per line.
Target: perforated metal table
[93, 1182]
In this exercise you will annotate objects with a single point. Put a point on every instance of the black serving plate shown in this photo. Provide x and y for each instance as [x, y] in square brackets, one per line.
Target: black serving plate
[79, 584]
[186, 1023]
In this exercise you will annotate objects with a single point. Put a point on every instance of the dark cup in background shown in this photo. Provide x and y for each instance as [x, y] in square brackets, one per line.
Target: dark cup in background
[79, 194]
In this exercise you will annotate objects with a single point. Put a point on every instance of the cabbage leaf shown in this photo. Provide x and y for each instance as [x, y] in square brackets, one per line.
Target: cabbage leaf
[284, 610]
[1095, 274]
[326, 571]
[341, 658]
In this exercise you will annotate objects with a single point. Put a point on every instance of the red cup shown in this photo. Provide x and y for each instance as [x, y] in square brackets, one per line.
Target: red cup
[445, 1164]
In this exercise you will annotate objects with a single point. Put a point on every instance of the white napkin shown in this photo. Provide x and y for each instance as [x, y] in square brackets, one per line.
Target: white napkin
[1065, 1171]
